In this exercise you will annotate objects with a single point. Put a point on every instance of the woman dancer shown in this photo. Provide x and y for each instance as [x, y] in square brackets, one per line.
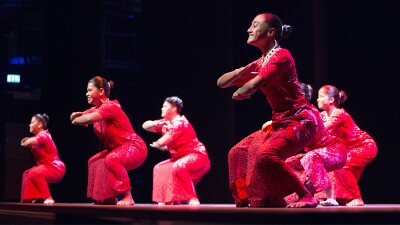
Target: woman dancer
[361, 147]
[268, 179]
[49, 168]
[125, 150]
[324, 155]
[174, 179]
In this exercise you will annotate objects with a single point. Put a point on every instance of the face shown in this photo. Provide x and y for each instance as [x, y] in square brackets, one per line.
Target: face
[324, 101]
[258, 31]
[93, 94]
[35, 126]
[167, 110]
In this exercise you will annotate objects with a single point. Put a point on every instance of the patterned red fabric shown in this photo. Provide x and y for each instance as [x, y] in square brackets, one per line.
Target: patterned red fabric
[361, 150]
[49, 169]
[237, 163]
[174, 179]
[268, 178]
[125, 150]
[325, 154]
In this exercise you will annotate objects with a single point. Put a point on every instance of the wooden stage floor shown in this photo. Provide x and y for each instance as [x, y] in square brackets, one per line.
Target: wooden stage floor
[205, 214]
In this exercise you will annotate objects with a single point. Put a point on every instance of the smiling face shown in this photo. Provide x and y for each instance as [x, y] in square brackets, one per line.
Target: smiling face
[93, 94]
[35, 126]
[258, 31]
[324, 101]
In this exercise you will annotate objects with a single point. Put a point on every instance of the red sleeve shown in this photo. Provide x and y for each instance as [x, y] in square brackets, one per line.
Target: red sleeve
[177, 129]
[90, 110]
[159, 128]
[41, 138]
[337, 117]
[108, 110]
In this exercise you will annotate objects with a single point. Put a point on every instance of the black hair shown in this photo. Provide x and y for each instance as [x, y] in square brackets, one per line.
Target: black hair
[281, 31]
[43, 118]
[307, 89]
[100, 82]
[175, 101]
[339, 96]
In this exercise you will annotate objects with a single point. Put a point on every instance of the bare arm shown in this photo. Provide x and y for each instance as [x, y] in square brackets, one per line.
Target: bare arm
[86, 119]
[228, 78]
[74, 115]
[29, 142]
[162, 142]
[248, 88]
[151, 125]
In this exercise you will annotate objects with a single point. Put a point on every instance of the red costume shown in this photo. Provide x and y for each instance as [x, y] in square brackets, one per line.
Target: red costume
[49, 169]
[174, 179]
[268, 178]
[324, 155]
[125, 150]
[361, 150]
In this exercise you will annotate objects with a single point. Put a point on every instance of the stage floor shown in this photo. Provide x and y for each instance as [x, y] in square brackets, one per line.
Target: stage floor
[205, 214]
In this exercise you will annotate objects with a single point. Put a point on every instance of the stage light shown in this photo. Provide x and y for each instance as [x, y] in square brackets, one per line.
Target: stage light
[13, 78]
[18, 60]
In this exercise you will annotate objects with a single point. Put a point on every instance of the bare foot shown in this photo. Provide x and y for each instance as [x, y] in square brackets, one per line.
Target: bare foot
[194, 202]
[307, 201]
[49, 201]
[126, 199]
[356, 202]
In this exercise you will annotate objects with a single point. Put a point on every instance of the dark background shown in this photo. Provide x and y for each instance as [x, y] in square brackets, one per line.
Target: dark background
[155, 49]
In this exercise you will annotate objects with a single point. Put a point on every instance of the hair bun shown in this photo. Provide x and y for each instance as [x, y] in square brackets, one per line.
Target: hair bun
[286, 30]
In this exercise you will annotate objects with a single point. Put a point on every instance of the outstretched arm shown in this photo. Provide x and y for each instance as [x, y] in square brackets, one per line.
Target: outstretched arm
[86, 119]
[151, 125]
[162, 142]
[228, 78]
[29, 142]
[248, 88]
[74, 115]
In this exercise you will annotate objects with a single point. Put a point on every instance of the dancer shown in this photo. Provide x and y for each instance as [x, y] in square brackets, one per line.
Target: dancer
[361, 147]
[49, 168]
[325, 154]
[268, 179]
[125, 150]
[174, 179]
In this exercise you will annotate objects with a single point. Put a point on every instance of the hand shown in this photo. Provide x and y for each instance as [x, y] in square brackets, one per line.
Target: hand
[164, 123]
[74, 122]
[23, 141]
[75, 114]
[158, 146]
[155, 145]
[237, 96]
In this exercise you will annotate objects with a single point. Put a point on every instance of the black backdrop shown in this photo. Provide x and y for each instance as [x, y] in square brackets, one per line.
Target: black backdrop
[184, 46]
